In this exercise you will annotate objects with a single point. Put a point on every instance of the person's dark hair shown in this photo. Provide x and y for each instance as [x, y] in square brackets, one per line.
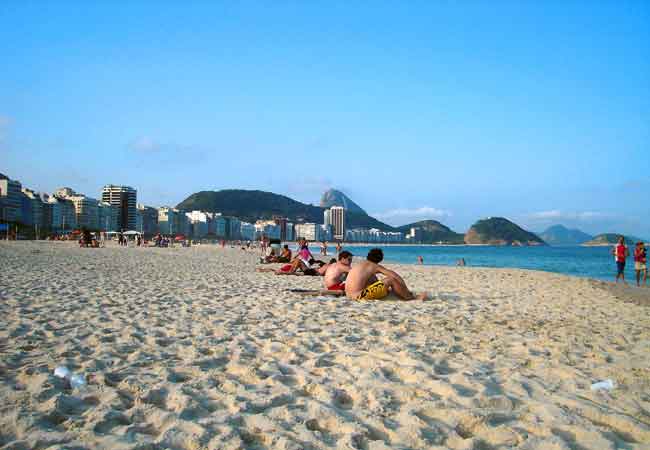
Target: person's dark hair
[286, 246]
[332, 261]
[344, 254]
[375, 255]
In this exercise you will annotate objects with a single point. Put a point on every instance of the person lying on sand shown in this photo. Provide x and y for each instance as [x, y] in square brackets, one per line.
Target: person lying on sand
[336, 273]
[298, 267]
[362, 282]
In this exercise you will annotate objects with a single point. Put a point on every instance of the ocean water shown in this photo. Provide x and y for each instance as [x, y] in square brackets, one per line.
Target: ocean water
[592, 262]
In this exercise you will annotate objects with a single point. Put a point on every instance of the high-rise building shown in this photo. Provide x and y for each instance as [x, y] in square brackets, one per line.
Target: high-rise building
[10, 200]
[125, 198]
[67, 209]
[32, 213]
[85, 208]
[107, 216]
[148, 220]
[337, 220]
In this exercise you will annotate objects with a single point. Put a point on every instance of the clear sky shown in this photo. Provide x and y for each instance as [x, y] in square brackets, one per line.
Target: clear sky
[455, 111]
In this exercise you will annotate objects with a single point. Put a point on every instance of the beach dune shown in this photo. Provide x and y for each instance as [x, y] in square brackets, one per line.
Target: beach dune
[190, 348]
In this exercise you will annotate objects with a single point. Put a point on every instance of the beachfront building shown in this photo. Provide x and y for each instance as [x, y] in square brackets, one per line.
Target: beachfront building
[200, 223]
[32, 210]
[289, 234]
[68, 214]
[326, 232]
[85, 208]
[267, 228]
[373, 235]
[147, 217]
[335, 217]
[414, 235]
[247, 231]
[125, 199]
[221, 226]
[309, 231]
[107, 216]
[172, 221]
[234, 230]
[86, 211]
[10, 200]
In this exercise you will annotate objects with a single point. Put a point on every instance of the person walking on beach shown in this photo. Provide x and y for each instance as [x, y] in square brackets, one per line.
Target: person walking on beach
[420, 260]
[620, 253]
[338, 249]
[640, 263]
[362, 282]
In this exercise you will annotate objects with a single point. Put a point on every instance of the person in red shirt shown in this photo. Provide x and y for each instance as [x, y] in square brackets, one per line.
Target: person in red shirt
[620, 252]
[640, 263]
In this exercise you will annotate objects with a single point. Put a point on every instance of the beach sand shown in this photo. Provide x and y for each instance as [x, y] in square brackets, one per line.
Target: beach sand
[190, 348]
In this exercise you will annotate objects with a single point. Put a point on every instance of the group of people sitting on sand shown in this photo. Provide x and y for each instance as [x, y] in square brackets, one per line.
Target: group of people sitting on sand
[366, 280]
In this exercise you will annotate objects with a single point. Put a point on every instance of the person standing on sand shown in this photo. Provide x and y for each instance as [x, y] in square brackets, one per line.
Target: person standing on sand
[620, 253]
[362, 282]
[640, 263]
[336, 273]
[420, 260]
[338, 249]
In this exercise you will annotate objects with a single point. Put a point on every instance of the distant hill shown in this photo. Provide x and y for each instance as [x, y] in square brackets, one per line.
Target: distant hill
[611, 239]
[560, 235]
[253, 205]
[333, 197]
[500, 231]
[434, 232]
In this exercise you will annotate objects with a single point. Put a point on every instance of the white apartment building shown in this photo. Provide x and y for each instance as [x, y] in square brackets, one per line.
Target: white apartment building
[309, 231]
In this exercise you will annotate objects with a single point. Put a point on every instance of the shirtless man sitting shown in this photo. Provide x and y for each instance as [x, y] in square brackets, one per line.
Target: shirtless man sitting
[335, 274]
[362, 282]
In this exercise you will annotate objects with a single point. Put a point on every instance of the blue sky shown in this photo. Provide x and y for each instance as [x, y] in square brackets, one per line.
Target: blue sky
[455, 111]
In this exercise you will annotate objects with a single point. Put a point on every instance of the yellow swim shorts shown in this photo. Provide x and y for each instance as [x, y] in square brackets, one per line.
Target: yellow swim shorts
[375, 291]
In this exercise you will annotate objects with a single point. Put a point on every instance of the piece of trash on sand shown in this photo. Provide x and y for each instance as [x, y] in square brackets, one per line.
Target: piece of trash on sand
[606, 385]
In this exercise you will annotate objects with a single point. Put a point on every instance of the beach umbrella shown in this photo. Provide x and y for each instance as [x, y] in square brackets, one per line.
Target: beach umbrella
[130, 233]
[180, 237]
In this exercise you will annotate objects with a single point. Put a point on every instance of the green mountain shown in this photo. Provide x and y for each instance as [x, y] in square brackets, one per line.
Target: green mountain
[560, 235]
[500, 231]
[611, 239]
[253, 205]
[332, 197]
[432, 232]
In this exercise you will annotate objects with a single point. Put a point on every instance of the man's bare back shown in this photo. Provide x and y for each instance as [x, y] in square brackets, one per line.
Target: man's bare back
[362, 282]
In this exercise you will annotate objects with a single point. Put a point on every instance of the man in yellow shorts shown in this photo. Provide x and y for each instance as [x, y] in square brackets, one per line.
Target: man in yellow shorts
[362, 282]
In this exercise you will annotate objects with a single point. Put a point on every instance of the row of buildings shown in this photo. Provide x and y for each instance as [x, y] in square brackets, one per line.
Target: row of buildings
[117, 210]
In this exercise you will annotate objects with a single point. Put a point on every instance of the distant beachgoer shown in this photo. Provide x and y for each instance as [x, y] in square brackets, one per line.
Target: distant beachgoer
[362, 282]
[338, 249]
[420, 260]
[460, 262]
[323, 248]
[336, 273]
[620, 253]
[285, 255]
[640, 256]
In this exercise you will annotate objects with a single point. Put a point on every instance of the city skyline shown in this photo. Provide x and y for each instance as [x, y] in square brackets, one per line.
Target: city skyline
[535, 112]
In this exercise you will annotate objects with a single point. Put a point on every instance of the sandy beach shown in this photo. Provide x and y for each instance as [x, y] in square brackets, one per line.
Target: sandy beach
[190, 348]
